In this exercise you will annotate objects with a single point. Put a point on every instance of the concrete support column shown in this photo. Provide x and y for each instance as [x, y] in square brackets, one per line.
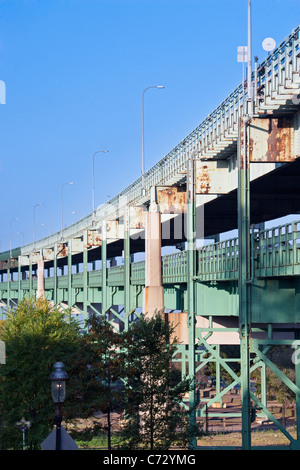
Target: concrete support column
[153, 301]
[40, 279]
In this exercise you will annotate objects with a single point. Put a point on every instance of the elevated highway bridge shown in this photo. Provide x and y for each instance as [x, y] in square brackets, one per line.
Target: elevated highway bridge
[237, 170]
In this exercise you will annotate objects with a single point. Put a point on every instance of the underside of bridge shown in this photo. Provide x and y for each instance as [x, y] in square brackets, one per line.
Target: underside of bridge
[272, 196]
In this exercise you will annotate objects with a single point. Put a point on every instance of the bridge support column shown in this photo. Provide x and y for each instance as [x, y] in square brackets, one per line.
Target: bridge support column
[191, 300]
[153, 301]
[19, 279]
[297, 383]
[104, 269]
[30, 276]
[85, 276]
[244, 279]
[70, 291]
[40, 293]
[8, 285]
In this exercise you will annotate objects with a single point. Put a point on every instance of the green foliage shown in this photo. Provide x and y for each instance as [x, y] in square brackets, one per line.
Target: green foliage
[36, 335]
[95, 376]
[153, 411]
[108, 371]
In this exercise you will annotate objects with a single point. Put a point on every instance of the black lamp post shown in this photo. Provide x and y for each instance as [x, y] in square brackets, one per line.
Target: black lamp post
[58, 388]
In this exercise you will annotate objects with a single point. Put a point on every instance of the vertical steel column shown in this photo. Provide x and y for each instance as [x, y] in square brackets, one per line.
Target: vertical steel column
[191, 264]
[19, 279]
[263, 375]
[8, 284]
[70, 293]
[244, 278]
[127, 298]
[30, 275]
[55, 274]
[104, 268]
[297, 383]
[218, 374]
[85, 275]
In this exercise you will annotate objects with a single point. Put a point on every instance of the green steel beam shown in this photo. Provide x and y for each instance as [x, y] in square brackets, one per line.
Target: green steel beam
[70, 290]
[55, 274]
[104, 268]
[85, 276]
[297, 383]
[191, 265]
[244, 278]
[127, 292]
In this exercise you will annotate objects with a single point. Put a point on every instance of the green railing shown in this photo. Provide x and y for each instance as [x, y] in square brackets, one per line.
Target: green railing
[218, 261]
[274, 252]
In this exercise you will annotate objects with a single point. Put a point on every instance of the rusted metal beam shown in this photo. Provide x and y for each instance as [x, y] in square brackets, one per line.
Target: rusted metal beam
[171, 199]
[271, 139]
[211, 177]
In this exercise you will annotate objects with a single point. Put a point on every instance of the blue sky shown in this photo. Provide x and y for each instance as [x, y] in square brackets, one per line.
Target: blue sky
[75, 71]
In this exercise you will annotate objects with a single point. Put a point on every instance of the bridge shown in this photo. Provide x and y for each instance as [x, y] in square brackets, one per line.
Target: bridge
[236, 171]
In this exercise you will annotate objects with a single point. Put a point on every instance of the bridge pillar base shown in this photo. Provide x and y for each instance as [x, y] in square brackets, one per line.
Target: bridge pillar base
[153, 301]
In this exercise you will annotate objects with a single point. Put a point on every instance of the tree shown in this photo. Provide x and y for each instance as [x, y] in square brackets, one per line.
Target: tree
[36, 335]
[102, 391]
[154, 416]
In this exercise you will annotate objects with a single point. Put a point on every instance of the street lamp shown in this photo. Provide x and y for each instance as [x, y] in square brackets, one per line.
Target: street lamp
[143, 156]
[98, 151]
[23, 425]
[34, 207]
[61, 210]
[58, 389]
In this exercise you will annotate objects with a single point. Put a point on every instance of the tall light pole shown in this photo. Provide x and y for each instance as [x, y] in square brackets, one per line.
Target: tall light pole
[143, 150]
[10, 234]
[249, 79]
[34, 207]
[98, 151]
[61, 209]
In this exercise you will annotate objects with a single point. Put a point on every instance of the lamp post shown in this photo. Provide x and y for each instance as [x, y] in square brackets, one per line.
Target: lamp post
[34, 207]
[98, 151]
[143, 153]
[58, 389]
[61, 210]
[249, 71]
[23, 425]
